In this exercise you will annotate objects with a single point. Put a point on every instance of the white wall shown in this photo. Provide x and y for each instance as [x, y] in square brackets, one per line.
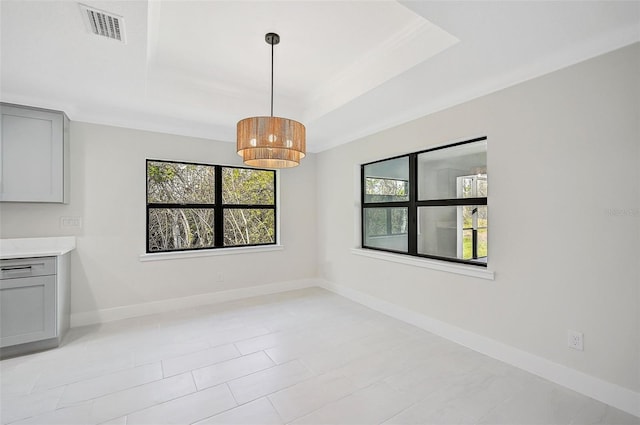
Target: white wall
[564, 217]
[108, 191]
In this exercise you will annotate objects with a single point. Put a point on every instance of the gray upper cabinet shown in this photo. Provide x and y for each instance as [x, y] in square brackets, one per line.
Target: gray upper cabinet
[34, 155]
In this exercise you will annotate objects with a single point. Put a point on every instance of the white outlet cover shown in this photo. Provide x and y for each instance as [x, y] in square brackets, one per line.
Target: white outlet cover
[70, 221]
[575, 340]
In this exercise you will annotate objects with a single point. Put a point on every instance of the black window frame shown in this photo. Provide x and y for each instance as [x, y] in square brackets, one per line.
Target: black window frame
[413, 204]
[218, 207]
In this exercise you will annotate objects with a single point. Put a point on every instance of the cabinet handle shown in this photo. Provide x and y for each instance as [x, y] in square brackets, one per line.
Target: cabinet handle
[12, 268]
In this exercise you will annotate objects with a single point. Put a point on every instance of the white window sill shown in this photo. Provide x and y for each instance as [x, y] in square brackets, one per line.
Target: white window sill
[444, 266]
[159, 256]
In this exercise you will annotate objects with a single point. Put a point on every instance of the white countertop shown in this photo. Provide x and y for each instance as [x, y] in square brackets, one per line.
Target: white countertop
[36, 247]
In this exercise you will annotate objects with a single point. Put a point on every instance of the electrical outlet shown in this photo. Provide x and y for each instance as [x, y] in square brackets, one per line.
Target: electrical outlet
[575, 340]
[70, 221]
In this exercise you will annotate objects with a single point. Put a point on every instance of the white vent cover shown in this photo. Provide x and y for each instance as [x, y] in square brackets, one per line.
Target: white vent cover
[103, 23]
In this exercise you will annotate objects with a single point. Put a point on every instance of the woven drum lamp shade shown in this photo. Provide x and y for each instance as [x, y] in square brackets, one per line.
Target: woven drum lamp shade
[271, 142]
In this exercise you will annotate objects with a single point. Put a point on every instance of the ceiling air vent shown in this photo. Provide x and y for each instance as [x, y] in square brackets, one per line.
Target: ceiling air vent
[103, 23]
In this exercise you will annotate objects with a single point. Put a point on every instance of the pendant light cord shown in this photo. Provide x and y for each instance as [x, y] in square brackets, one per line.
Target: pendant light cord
[272, 80]
[273, 39]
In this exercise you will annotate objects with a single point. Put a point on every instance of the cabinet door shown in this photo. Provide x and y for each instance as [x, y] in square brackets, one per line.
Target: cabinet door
[27, 310]
[31, 155]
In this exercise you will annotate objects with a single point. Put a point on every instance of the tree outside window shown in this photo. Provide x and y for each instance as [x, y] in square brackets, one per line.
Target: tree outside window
[201, 206]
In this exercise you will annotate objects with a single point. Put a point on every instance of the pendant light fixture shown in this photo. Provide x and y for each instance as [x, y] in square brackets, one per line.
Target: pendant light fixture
[271, 142]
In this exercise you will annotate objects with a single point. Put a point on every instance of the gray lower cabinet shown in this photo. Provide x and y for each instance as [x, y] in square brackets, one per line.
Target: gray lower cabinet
[29, 305]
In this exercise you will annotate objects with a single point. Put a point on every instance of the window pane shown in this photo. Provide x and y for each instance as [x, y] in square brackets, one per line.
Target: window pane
[242, 186]
[249, 226]
[483, 246]
[482, 187]
[387, 181]
[386, 228]
[467, 249]
[175, 183]
[454, 232]
[180, 228]
[455, 172]
[399, 220]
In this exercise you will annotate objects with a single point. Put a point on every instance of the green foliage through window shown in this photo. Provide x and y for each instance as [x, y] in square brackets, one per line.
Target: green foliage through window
[386, 190]
[198, 206]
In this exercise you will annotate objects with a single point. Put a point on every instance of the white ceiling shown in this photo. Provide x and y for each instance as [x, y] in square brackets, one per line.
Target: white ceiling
[345, 69]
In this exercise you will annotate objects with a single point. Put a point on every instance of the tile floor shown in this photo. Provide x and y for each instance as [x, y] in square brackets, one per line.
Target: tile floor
[301, 357]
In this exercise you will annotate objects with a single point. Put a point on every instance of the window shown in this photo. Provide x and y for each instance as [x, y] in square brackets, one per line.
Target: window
[201, 206]
[430, 204]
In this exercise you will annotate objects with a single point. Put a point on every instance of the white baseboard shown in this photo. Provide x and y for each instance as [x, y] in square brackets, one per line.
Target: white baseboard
[143, 309]
[606, 392]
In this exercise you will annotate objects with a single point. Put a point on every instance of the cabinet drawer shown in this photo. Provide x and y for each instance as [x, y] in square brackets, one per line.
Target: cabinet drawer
[27, 267]
[27, 310]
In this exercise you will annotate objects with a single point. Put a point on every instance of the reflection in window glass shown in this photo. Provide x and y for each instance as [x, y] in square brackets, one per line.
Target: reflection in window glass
[387, 181]
[453, 231]
[386, 228]
[399, 220]
[376, 222]
[481, 183]
[439, 171]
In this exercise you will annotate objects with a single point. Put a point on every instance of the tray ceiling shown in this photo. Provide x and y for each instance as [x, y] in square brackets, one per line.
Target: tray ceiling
[343, 68]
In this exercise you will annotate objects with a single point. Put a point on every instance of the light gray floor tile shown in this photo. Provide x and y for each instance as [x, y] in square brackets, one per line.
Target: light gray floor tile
[268, 381]
[198, 359]
[128, 401]
[20, 407]
[117, 421]
[259, 411]
[81, 369]
[109, 383]
[232, 335]
[262, 342]
[427, 414]
[74, 415]
[309, 395]
[371, 405]
[325, 360]
[18, 381]
[187, 409]
[231, 369]
[593, 412]
[291, 351]
[540, 403]
[157, 353]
